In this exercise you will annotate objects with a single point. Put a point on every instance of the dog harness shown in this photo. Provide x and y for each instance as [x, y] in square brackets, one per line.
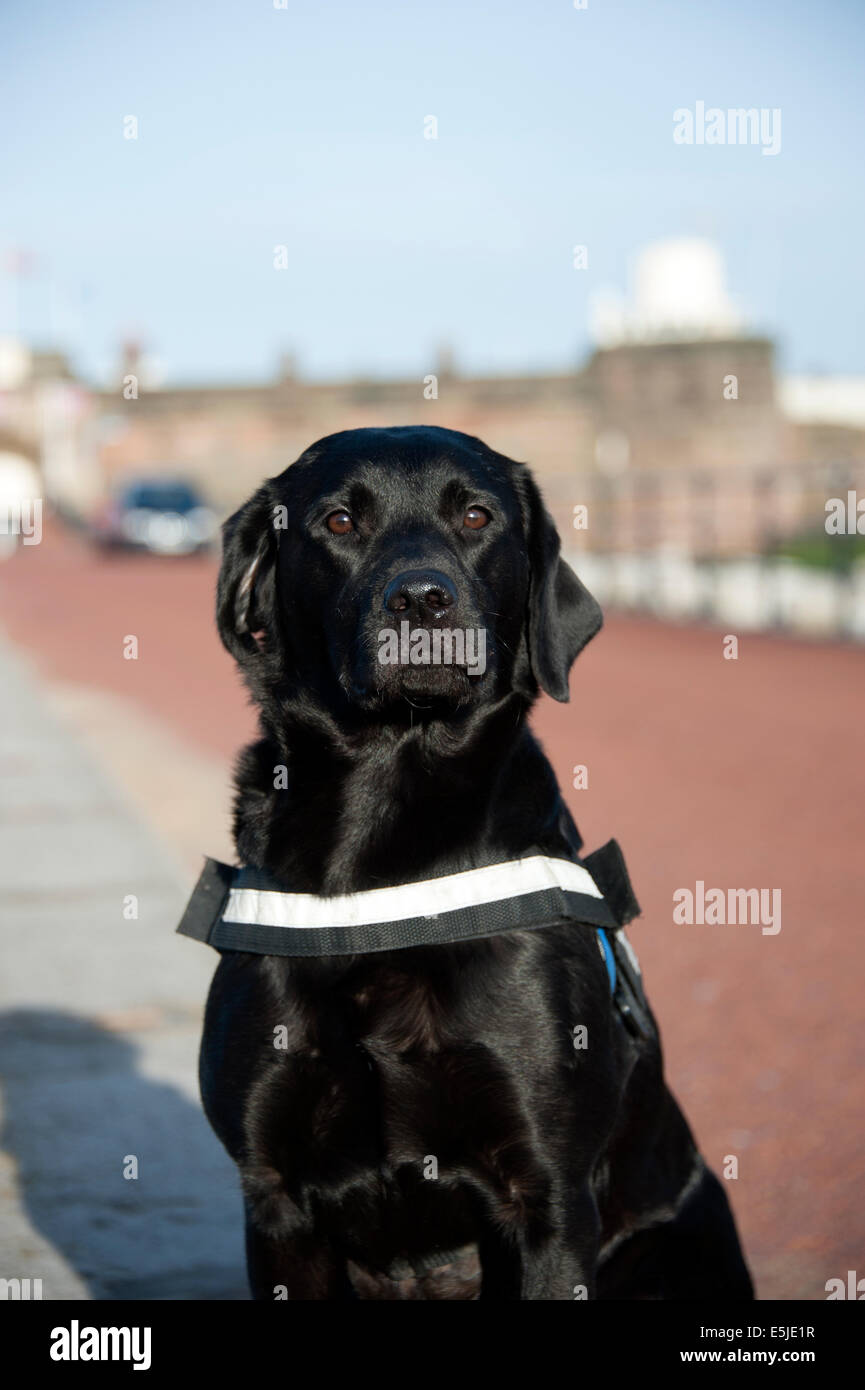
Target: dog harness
[248, 909]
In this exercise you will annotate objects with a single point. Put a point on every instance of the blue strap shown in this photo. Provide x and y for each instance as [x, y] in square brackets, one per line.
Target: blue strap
[609, 958]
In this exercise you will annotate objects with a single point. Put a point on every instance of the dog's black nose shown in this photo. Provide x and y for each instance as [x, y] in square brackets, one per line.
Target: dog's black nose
[421, 594]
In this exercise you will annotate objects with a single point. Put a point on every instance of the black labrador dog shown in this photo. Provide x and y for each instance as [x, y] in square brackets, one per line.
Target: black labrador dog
[427, 1126]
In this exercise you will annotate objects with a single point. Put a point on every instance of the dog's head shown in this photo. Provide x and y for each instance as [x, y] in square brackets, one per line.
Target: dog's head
[393, 566]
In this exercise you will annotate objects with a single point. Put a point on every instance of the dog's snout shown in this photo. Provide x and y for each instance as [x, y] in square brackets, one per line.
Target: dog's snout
[421, 594]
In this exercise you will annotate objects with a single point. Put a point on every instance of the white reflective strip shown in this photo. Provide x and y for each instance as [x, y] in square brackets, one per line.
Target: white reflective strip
[629, 951]
[494, 883]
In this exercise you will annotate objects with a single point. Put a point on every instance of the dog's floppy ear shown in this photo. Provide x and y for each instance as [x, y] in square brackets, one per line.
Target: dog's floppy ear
[562, 615]
[246, 591]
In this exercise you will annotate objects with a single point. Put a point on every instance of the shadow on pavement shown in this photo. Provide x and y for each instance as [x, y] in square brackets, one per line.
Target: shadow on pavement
[78, 1107]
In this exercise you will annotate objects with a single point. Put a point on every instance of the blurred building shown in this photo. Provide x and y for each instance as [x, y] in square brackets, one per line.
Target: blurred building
[678, 401]
[47, 427]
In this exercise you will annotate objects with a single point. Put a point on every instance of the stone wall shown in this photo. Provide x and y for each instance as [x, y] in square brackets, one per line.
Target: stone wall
[665, 400]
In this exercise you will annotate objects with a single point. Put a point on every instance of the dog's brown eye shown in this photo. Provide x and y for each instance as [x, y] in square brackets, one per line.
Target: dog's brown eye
[340, 523]
[476, 518]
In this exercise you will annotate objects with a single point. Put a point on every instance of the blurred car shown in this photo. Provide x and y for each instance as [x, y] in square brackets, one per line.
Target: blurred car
[164, 515]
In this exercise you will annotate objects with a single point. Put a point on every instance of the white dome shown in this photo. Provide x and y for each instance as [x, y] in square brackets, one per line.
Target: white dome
[679, 290]
[679, 294]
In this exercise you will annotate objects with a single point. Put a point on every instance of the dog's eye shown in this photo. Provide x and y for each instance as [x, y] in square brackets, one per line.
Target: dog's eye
[340, 523]
[476, 518]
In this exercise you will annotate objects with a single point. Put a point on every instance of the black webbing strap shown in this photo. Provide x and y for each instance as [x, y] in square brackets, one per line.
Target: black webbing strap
[203, 917]
[608, 869]
[203, 920]
[207, 900]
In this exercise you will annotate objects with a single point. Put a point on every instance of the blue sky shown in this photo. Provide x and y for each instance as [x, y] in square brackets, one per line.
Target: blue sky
[303, 127]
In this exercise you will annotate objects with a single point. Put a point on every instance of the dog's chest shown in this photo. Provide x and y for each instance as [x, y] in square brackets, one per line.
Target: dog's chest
[419, 1078]
[417, 1120]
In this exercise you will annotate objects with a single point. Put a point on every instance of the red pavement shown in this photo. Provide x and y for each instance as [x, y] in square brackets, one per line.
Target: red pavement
[742, 773]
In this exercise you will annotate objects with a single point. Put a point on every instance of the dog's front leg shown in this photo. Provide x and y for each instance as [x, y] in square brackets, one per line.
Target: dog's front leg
[301, 1266]
[556, 1264]
[559, 1270]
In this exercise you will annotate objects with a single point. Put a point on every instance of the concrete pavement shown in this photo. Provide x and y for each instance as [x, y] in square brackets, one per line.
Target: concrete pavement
[99, 1027]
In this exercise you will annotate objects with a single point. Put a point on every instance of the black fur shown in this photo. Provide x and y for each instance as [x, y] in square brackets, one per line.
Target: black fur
[556, 1168]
